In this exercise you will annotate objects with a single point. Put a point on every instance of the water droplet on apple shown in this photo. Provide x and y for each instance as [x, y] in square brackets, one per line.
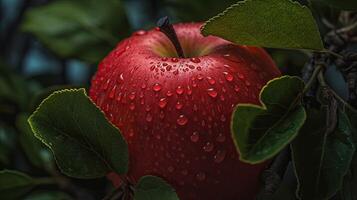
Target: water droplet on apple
[140, 32]
[212, 93]
[221, 138]
[157, 87]
[219, 156]
[170, 169]
[174, 59]
[162, 102]
[211, 80]
[169, 93]
[195, 60]
[195, 136]
[179, 90]
[132, 95]
[178, 105]
[132, 106]
[182, 120]
[148, 117]
[229, 77]
[223, 118]
[241, 76]
[200, 77]
[201, 176]
[208, 147]
[112, 92]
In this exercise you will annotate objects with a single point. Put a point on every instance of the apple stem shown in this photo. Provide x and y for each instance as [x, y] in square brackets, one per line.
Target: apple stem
[167, 28]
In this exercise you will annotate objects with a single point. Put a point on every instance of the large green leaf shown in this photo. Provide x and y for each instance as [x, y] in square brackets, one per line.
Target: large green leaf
[274, 23]
[260, 132]
[341, 4]
[37, 153]
[84, 143]
[14, 184]
[85, 29]
[153, 188]
[321, 159]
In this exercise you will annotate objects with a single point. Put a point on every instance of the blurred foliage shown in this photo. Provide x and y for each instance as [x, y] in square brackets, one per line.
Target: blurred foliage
[82, 29]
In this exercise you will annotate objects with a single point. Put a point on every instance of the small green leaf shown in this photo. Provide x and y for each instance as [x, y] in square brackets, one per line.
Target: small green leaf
[153, 188]
[48, 195]
[322, 160]
[260, 132]
[84, 29]
[84, 143]
[38, 154]
[341, 4]
[274, 23]
[14, 184]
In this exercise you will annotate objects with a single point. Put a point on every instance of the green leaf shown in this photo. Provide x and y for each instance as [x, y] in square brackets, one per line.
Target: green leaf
[274, 23]
[84, 143]
[14, 184]
[322, 160]
[35, 150]
[341, 4]
[48, 195]
[152, 188]
[84, 29]
[260, 132]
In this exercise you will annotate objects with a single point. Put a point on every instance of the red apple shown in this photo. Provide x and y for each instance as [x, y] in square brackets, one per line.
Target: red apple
[175, 112]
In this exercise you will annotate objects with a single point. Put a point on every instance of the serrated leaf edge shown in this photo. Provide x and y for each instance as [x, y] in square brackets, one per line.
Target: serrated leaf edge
[262, 107]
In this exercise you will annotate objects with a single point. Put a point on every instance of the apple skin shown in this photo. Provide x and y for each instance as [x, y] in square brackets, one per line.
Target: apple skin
[175, 112]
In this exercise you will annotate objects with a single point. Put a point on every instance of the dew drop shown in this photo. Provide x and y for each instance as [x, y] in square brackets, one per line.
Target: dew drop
[208, 147]
[169, 93]
[148, 117]
[223, 118]
[132, 106]
[199, 77]
[164, 59]
[112, 93]
[182, 120]
[162, 102]
[170, 169]
[241, 76]
[195, 136]
[174, 59]
[179, 90]
[140, 32]
[247, 83]
[229, 77]
[211, 92]
[201, 176]
[219, 156]
[195, 60]
[157, 87]
[211, 80]
[178, 105]
[132, 96]
[221, 138]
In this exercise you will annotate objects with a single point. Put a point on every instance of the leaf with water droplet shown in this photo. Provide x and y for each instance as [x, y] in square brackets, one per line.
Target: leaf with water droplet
[321, 158]
[152, 187]
[274, 23]
[70, 124]
[260, 132]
